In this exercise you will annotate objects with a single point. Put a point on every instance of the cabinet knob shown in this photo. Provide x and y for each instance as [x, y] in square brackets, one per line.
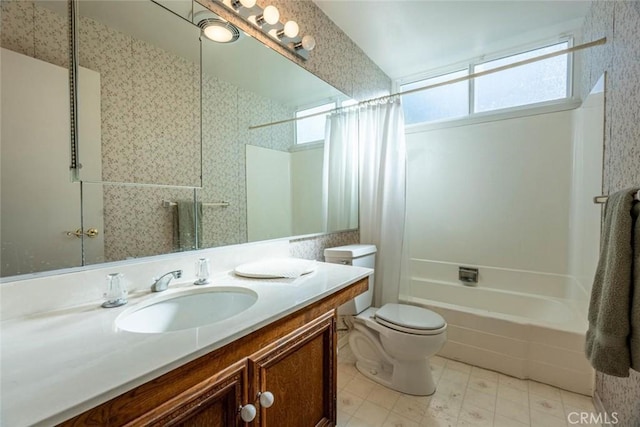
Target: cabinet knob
[266, 399]
[248, 413]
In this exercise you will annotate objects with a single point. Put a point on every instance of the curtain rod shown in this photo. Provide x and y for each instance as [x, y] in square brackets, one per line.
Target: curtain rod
[448, 82]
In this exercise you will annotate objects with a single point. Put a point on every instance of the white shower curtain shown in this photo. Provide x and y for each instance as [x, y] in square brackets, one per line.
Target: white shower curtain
[383, 164]
[377, 132]
[340, 172]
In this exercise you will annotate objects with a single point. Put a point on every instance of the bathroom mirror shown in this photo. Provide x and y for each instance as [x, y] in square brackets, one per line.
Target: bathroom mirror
[164, 117]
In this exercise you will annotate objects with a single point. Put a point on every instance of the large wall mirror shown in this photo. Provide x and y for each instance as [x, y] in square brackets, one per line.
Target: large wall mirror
[169, 161]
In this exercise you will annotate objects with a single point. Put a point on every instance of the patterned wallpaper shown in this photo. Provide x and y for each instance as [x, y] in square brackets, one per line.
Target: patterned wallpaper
[619, 21]
[313, 247]
[227, 113]
[336, 58]
[143, 84]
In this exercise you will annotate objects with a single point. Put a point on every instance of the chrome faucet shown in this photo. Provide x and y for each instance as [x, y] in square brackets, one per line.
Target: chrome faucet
[162, 283]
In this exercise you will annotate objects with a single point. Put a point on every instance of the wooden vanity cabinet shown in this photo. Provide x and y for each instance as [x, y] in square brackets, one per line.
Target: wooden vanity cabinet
[293, 358]
[211, 403]
[300, 372]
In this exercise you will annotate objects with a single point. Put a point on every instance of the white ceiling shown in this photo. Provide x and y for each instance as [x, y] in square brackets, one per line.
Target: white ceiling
[407, 37]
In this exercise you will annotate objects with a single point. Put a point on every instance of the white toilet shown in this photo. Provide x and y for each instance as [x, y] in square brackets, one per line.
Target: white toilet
[392, 344]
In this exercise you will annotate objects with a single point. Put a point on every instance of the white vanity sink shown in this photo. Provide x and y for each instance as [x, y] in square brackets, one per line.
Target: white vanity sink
[186, 310]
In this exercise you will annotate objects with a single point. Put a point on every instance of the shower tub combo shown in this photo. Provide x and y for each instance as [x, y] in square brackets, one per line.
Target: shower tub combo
[524, 324]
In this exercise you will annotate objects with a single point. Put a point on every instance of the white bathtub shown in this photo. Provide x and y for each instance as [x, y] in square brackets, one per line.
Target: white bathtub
[540, 337]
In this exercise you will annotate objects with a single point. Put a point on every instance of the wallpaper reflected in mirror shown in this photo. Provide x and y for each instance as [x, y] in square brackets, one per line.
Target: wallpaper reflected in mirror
[148, 62]
[164, 118]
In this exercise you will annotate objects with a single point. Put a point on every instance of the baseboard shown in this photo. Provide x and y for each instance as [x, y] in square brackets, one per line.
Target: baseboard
[345, 324]
[597, 403]
[343, 340]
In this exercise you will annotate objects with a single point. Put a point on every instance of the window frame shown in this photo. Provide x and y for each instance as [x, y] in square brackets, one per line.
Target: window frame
[471, 64]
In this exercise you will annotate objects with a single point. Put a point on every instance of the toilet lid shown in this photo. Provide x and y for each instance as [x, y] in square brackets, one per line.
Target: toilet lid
[410, 317]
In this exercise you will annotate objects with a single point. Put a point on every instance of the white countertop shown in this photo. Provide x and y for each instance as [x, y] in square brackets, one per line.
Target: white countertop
[58, 364]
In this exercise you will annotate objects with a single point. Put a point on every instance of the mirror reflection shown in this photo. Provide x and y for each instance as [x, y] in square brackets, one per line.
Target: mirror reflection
[169, 161]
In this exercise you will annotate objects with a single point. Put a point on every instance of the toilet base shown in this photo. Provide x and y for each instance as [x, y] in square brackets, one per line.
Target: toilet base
[377, 358]
[412, 378]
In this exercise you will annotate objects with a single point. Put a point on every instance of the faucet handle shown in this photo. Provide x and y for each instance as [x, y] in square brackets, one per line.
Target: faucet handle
[203, 271]
[116, 292]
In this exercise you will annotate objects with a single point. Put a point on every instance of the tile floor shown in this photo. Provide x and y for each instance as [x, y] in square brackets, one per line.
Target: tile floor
[465, 396]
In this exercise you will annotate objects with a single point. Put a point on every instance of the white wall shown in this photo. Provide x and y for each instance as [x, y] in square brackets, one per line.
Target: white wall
[268, 193]
[284, 192]
[306, 189]
[492, 194]
[588, 146]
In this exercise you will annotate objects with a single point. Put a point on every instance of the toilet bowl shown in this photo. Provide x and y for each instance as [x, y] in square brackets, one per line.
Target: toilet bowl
[392, 344]
[394, 351]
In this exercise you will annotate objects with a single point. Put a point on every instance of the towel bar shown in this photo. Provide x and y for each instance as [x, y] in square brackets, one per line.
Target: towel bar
[603, 199]
[166, 204]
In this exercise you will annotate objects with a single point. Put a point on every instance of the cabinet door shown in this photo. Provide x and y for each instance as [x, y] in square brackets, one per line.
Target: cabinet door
[211, 403]
[300, 371]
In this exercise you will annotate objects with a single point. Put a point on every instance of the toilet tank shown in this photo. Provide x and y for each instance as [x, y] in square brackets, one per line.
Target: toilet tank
[360, 256]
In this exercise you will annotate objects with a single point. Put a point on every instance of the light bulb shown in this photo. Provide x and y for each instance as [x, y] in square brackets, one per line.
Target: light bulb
[275, 33]
[308, 43]
[270, 15]
[218, 34]
[291, 29]
[236, 4]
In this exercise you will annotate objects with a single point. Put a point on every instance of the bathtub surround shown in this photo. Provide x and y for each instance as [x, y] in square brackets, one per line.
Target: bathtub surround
[534, 333]
[620, 22]
[526, 317]
[612, 330]
[491, 194]
[586, 181]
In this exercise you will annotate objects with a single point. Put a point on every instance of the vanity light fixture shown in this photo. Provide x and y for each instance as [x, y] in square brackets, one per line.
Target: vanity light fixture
[267, 20]
[218, 30]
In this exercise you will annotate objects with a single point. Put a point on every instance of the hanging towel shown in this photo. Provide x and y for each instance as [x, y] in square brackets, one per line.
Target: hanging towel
[185, 224]
[634, 339]
[610, 336]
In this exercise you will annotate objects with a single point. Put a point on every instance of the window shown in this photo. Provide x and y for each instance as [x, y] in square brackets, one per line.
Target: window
[527, 84]
[312, 129]
[444, 102]
[541, 81]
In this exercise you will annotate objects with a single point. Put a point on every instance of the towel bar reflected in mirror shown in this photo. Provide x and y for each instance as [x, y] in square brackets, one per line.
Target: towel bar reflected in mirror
[166, 204]
[603, 199]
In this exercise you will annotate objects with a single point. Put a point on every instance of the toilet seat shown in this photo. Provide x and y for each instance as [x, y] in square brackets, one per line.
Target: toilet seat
[410, 319]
